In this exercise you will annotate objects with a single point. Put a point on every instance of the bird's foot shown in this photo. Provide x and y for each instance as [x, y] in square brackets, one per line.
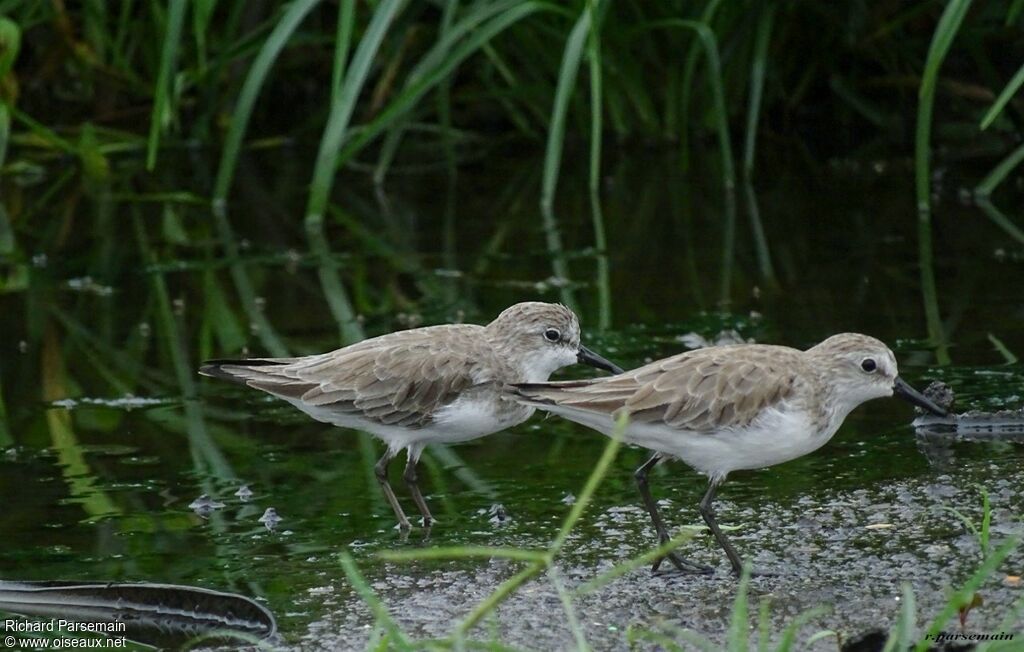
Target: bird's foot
[403, 525]
[682, 565]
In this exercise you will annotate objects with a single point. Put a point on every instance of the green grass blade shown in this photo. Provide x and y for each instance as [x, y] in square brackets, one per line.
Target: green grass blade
[567, 74]
[397, 637]
[1004, 98]
[1013, 12]
[963, 595]
[596, 126]
[168, 59]
[254, 80]
[945, 32]
[942, 39]
[1008, 356]
[202, 12]
[492, 601]
[244, 287]
[902, 635]
[341, 111]
[42, 132]
[603, 280]
[689, 70]
[1000, 220]
[463, 552]
[5, 132]
[342, 42]
[570, 611]
[707, 40]
[999, 173]
[621, 569]
[445, 63]
[738, 626]
[334, 291]
[757, 75]
[788, 641]
[5, 431]
[986, 523]
[596, 476]
[764, 624]
[10, 44]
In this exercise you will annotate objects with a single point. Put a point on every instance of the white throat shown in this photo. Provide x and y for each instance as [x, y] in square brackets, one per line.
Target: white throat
[537, 368]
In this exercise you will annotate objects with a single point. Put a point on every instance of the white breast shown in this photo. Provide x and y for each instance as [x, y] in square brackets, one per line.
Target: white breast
[776, 436]
[469, 417]
[466, 418]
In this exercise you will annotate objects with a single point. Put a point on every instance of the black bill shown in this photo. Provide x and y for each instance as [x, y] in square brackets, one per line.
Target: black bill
[907, 393]
[586, 356]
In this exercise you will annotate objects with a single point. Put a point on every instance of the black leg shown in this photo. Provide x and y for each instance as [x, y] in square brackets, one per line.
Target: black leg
[659, 525]
[707, 510]
[381, 470]
[414, 489]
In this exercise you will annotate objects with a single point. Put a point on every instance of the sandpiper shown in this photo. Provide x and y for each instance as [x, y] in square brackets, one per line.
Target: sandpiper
[424, 385]
[727, 408]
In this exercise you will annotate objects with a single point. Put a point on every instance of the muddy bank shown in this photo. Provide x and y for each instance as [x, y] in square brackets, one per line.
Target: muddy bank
[850, 552]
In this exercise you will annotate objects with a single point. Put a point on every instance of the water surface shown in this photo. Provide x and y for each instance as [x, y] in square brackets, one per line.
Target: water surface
[117, 291]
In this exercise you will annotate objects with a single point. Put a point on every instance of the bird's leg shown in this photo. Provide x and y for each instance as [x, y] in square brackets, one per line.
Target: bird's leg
[659, 525]
[411, 481]
[380, 469]
[707, 510]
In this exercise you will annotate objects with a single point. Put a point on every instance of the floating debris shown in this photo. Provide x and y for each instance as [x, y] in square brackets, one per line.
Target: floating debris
[88, 285]
[448, 273]
[568, 499]
[499, 515]
[973, 423]
[126, 402]
[270, 518]
[204, 505]
[244, 493]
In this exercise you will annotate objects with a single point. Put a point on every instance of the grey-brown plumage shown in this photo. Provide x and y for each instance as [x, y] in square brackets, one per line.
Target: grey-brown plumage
[726, 408]
[433, 384]
[699, 391]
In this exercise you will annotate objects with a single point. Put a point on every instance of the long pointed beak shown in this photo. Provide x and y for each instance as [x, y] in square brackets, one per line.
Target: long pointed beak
[907, 393]
[586, 356]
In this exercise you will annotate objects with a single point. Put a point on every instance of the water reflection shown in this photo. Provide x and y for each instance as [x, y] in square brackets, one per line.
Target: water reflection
[101, 489]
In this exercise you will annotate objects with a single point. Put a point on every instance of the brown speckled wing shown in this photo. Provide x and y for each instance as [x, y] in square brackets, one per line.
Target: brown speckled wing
[699, 390]
[399, 379]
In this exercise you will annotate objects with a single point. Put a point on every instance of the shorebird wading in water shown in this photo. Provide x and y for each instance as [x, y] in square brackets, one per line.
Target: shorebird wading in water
[727, 408]
[425, 385]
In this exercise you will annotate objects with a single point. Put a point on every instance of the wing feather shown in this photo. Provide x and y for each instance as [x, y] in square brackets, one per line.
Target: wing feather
[700, 391]
[398, 379]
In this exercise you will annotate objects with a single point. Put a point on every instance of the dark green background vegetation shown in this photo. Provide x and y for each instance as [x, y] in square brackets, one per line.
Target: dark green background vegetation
[182, 180]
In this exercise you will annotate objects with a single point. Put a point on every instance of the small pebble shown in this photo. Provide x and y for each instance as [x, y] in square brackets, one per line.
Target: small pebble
[270, 518]
[204, 505]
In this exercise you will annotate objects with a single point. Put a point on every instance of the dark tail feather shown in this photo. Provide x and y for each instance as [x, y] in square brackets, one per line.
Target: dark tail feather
[214, 368]
[534, 392]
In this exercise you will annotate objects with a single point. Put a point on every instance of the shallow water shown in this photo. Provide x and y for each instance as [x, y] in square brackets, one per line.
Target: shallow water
[117, 295]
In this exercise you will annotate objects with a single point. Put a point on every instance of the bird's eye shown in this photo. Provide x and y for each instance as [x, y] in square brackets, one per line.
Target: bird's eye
[868, 365]
[552, 335]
